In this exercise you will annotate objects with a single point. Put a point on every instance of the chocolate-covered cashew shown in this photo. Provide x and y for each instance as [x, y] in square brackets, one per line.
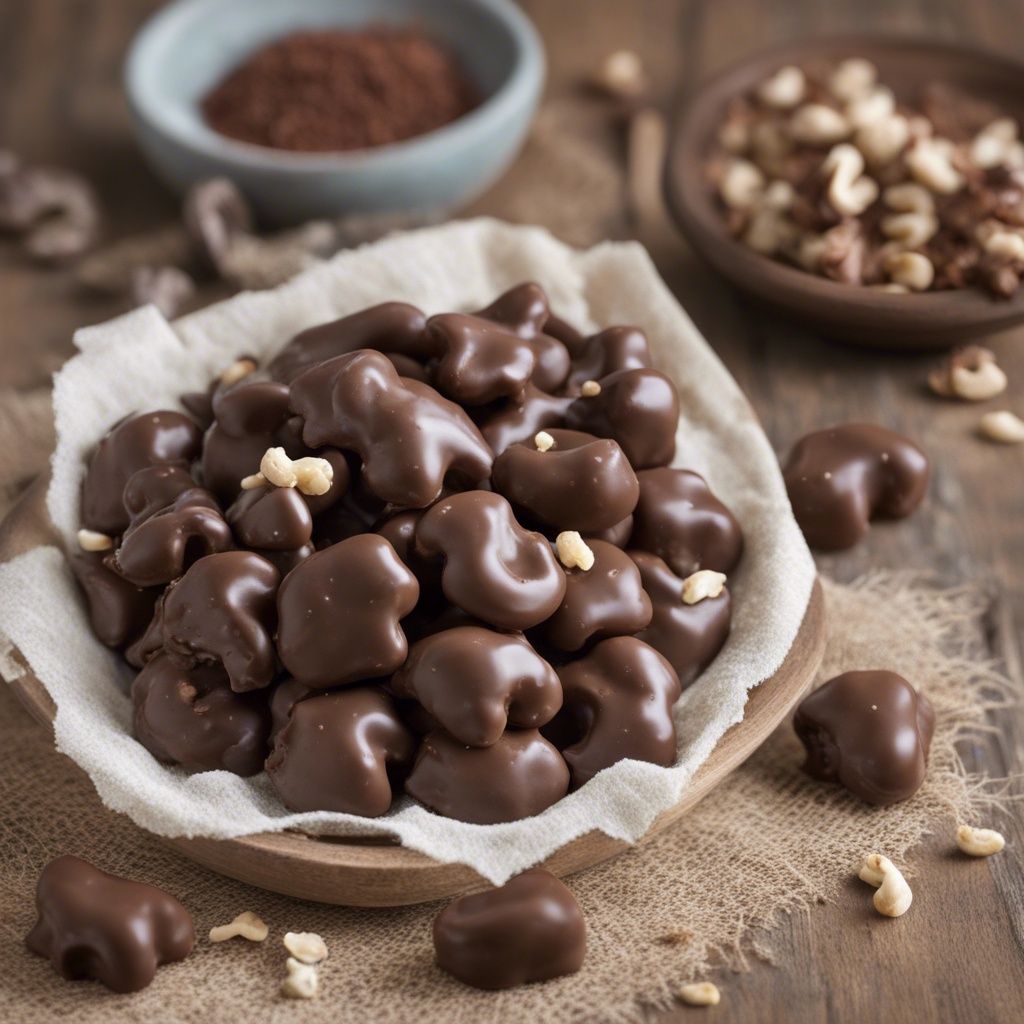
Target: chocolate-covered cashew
[581, 483]
[153, 488]
[607, 352]
[529, 929]
[119, 611]
[271, 518]
[517, 777]
[618, 534]
[840, 479]
[475, 682]
[344, 751]
[617, 704]
[480, 361]
[192, 717]
[94, 925]
[146, 439]
[391, 327]
[494, 569]
[408, 436]
[688, 635]
[339, 611]
[868, 731]
[519, 418]
[638, 408]
[283, 697]
[606, 600]
[679, 519]
[399, 530]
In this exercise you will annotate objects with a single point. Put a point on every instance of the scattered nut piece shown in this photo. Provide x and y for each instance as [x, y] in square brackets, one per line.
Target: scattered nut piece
[883, 140]
[852, 78]
[818, 125]
[911, 269]
[306, 947]
[909, 197]
[239, 369]
[979, 842]
[910, 230]
[311, 475]
[590, 389]
[621, 75]
[700, 993]
[893, 896]
[784, 89]
[970, 373]
[544, 441]
[741, 185]
[92, 540]
[702, 584]
[302, 981]
[248, 925]
[849, 192]
[872, 107]
[573, 551]
[930, 162]
[1002, 426]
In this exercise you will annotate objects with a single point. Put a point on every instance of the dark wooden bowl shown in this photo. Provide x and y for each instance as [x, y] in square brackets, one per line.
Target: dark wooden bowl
[845, 312]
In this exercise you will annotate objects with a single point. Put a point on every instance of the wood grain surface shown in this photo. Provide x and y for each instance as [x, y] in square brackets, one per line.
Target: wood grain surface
[959, 956]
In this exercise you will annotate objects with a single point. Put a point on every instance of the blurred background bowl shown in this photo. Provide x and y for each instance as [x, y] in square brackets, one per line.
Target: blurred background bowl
[853, 314]
[189, 46]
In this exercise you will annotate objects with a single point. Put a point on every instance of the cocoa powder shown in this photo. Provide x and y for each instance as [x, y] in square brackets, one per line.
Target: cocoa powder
[329, 91]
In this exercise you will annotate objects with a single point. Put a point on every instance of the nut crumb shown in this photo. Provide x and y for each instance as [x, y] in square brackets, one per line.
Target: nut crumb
[306, 947]
[237, 371]
[544, 441]
[93, 540]
[248, 925]
[573, 551]
[590, 389]
[302, 981]
[251, 482]
[979, 842]
[702, 584]
[1002, 426]
[700, 993]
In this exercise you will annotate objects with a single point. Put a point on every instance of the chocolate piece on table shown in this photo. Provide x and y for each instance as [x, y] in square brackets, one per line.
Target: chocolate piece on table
[607, 352]
[679, 519]
[341, 751]
[271, 518]
[519, 418]
[606, 600]
[476, 682]
[408, 436]
[529, 929]
[617, 703]
[192, 717]
[870, 732]
[391, 327]
[519, 776]
[841, 478]
[339, 612]
[146, 439]
[639, 409]
[581, 483]
[688, 635]
[119, 611]
[94, 925]
[494, 569]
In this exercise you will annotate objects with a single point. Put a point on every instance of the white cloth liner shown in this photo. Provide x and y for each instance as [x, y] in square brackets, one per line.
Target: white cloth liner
[139, 361]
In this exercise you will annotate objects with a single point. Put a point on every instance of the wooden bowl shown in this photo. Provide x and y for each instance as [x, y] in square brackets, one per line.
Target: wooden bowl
[846, 312]
[375, 872]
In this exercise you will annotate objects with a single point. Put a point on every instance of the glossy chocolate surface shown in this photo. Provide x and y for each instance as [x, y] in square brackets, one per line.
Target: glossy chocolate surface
[474, 682]
[582, 483]
[493, 568]
[523, 308]
[119, 611]
[607, 352]
[688, 635]
[840, 479]
[519, 418]
[679, 519]
[868, 731]
[516, 777]
[339, 612]
[94, 925]
[617, 703]
[192, 717]
[342, 752]
[155, 487]
[408, 436]
[146, 439]
[529, 929]
[271, 518]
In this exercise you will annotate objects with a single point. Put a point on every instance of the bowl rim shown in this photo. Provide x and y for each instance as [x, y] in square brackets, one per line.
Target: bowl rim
[695, 212]
[525, 79]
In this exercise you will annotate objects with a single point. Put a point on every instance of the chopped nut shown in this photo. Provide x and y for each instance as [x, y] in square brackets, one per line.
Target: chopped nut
[818, 125]
[700, 993]
[302, 981]
[912, 269]
[784, 89]
[91, 540]
[590, 389]
[311, 475]
[544, 441]
[979, 842]
[573, 551]
[741, 185]
[1002, 426]
[238, 370]
[621, 75]
[970, 373]
[848, 191]
[702, 584]
[893, 896]
[307, 947]
[248, 925]
[930, 162]
[852, 78]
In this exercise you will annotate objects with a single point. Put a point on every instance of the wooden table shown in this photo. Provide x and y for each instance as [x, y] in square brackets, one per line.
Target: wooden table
[61, 101]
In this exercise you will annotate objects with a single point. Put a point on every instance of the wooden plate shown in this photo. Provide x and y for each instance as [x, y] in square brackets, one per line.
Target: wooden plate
[376, 872]
[859, 315]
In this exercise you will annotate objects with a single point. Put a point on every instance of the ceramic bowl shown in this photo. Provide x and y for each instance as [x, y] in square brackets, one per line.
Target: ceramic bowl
[849, 313]
[186, 48]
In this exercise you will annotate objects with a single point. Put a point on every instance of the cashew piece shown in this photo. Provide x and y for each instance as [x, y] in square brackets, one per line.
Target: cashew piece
[238, 370]
[590, 389]
[769, 231]
[702, 584]
[971, 374]
[929, 162]
[993, 145]
[852, 78]
[741, 185]
[306, 947]
[1000, 241]
[311, 475]
[302, 981]
[573, 552]
[911, 269]
[909, 197]
[544, 441]
[700, 993]
[248, 925]
[848, 192]
[979, 842]
[785, 89]
[883, 140]
[910, 230]
[92, 540]
[1002, 426]
[871, 108]
[818, 125]
[893, 896]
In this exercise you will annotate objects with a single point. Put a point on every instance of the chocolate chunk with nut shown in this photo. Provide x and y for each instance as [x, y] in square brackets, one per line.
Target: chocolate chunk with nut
[119, 611]
[192, 717]
[409, 437]
[344, 751]
[339, 612]
[476, 682]
[517, 777]
[99, 926]
[868, 731]
[529, 929]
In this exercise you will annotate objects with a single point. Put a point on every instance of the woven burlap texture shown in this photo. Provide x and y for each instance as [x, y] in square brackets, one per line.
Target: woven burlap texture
[767, 841]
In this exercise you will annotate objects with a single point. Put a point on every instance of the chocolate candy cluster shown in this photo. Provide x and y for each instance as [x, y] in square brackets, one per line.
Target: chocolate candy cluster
[444, 556]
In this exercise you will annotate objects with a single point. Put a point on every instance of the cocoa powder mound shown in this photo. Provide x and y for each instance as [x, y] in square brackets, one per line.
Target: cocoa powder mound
[330, 91]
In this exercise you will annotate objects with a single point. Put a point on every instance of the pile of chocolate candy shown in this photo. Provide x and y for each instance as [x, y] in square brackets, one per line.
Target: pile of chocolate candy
[443, 555]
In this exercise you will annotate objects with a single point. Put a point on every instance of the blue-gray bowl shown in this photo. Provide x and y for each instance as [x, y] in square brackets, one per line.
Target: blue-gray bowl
[185, 49]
